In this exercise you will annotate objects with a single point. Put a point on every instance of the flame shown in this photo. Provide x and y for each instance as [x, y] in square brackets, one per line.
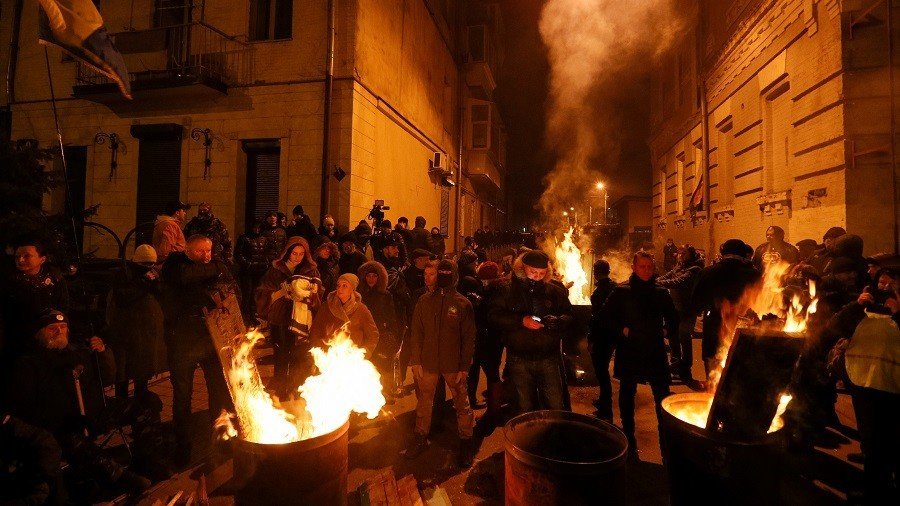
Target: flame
[764, 298]
[568, 262]
[346, 382]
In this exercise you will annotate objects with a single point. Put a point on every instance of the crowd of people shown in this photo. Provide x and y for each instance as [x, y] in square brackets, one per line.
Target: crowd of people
[414, 306]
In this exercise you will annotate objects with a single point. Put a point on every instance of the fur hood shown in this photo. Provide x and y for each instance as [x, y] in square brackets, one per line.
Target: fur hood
[306, 268]
[335, 255]
[376, 267]
[519, 269]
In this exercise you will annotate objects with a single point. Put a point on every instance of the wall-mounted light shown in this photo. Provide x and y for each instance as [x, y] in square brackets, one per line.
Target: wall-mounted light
[207, 140]
[115, 144]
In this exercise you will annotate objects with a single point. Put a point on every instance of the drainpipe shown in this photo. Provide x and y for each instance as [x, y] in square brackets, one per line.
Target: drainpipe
[461, 117]
[13, 53]
[326, 122]
[890, 29]
[704, 121]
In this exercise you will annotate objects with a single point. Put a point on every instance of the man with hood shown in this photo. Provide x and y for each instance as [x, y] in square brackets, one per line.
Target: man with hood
[373, 288]
[531, 313]
[344, 306]
[639, 314]
[326, 257]
[823, 257]
[205, 223]
[301, 225]
[601, 346]
[276, 303]
[420, 238]
[774, 250]
[167, 233]
[725, 281]
[442, 344]
[436, 243]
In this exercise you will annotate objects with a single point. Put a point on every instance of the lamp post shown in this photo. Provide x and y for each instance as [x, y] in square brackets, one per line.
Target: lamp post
[602, 187]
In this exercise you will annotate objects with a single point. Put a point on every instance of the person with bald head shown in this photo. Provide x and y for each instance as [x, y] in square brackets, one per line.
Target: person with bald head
[190, 278]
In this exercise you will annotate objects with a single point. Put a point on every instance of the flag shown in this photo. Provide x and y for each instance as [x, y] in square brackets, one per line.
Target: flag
[697, 197]
[77, 27]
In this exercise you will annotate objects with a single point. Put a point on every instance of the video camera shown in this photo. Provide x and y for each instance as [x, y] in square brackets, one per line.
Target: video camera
[377, 213]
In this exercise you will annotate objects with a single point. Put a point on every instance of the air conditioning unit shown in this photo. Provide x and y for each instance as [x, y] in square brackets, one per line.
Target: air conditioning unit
[439, 169]
[437, 161]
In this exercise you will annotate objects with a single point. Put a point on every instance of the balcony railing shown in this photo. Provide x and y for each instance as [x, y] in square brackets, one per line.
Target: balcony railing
[178, 55]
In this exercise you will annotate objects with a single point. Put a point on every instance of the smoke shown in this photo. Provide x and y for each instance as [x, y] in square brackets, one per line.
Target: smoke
[601, 54]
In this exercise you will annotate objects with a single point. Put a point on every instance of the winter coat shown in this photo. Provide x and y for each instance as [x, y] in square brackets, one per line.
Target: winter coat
[680, 282]
[276, 238]
[437, 245]
[646, 310]
[332, 235]
[442, 338]
[399, 290]
[419, 238]
[725, 280]
[329, 270]
[278, 312]
[302, 227]
[25, 297]
[414, 277]
[381, 304]
[135, 328]
[524, 297]
[250, 253]
[29, 463]
[212, 227]
[334, 315]
[778, 252]
[670, 254]
[167, 237]
[187, 289]
[351, 262]
[602, 289]
[41, 390]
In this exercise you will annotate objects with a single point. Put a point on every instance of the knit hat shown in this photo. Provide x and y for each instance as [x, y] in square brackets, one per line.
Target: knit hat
[144, 254]
[488, 271]
[349, 277]
[47, 317]
[849, 245]
[328, 220]
[348, 237]
[419, 253]
[834, 233]
[536, 259]
[733, 247]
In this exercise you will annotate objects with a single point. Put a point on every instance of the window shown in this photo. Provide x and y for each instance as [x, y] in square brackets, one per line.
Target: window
[159, 173]
[171, 13]
[478, 51]
[271, 19]
[263, 167]
[480, 117]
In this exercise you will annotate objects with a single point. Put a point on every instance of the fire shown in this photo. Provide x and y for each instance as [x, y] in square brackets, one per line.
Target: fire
[346, 382]
[568, 261]
[766, 298]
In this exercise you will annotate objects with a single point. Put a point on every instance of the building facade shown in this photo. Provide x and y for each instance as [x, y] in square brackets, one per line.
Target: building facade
[229, 108]
[777, 112]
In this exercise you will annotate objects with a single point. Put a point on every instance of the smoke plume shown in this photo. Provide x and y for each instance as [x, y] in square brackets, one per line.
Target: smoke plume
[601, 55]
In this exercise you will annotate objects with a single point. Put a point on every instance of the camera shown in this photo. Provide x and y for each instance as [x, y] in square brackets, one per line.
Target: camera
[377, 213]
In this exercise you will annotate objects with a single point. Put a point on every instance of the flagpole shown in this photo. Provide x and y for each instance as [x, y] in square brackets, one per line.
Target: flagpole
[62, 156]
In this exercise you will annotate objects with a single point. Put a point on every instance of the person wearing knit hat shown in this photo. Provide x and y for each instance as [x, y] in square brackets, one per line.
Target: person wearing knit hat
[823, 257]
[344, 309]
[488, 271]
[144, 254]
[536, 259]
[350, 278]
[56, 325]
[601, 346]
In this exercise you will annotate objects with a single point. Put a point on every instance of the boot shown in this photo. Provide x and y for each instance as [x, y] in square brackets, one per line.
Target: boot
[466, 454]
[418, 445]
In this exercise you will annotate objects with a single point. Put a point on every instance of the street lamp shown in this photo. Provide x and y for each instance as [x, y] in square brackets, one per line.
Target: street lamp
[601, 187]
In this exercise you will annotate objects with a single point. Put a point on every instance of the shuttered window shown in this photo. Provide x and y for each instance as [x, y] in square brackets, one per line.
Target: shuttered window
[159, 174]
[263, 167]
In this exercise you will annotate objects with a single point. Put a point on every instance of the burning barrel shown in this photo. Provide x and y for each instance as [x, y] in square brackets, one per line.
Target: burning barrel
[309, 471]
[707, 467]
[560, 457]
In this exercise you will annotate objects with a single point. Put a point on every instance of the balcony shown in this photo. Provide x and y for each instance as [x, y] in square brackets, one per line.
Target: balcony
[485, 172]
[185, 62]
[481, 61]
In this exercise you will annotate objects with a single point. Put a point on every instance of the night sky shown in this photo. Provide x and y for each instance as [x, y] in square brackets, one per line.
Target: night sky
[522, 96]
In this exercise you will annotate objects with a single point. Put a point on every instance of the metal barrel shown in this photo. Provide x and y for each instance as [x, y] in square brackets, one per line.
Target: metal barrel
[311, 471]
[707, 467]
[559, 457]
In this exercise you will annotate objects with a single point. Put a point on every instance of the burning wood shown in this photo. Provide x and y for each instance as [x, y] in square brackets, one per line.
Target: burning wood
[569, 263]
[346, 382]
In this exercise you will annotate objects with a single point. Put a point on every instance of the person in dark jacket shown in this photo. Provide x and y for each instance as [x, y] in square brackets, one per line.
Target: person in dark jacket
[531, 314]
[135, 330]
[207, 224]
[442, 344]
[251, 256]
[351, 258]
[436, 243]
[467, 264]
[774, 250]
[680, 282]
[823, 257]
[30, 461]
[275, 236]
[32, 288]
[402, 228]
[488, 346]
[343, 308]
[420, 238]
[362, 234]
[275, 304]
[301, 225]
[601, 346]
[329, 228]
[414, 274]
[190, 278]
[373, 288]
[670, 255]
[639, 314]
[327, 259]
[724, 281]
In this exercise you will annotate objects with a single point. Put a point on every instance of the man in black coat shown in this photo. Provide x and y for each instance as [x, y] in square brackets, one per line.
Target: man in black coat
[351, 258]
[774, 250]
[680, 282]
[531, 314]
[190, 278]
[420, 238]
[601, 347]
[723, 281]
[639, 314]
